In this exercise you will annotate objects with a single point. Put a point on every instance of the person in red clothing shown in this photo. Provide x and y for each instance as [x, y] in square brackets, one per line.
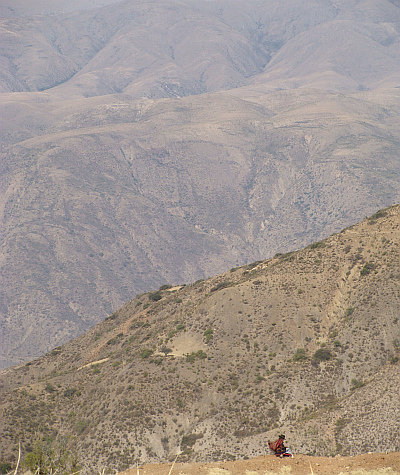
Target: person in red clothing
[278, 447]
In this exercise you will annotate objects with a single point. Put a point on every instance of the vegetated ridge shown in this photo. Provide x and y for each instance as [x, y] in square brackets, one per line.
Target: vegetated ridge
[307, 343]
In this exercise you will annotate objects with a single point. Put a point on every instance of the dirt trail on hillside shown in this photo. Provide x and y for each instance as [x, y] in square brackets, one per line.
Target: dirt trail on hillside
[299, 465]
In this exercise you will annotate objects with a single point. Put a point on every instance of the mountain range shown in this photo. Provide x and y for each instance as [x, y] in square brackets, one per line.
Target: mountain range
[151, 143]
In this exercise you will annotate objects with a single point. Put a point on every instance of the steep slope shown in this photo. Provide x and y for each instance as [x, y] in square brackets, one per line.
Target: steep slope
[101, 207]
[165, 49]
[306, 342]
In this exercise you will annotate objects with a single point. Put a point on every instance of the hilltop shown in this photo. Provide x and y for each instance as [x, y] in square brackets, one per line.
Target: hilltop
[307, 342]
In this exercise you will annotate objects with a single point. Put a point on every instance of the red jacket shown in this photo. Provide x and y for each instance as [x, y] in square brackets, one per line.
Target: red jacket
[278, 445]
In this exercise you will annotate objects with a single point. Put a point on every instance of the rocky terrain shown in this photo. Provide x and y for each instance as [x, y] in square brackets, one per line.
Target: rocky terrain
[307, 342]
[152, 142]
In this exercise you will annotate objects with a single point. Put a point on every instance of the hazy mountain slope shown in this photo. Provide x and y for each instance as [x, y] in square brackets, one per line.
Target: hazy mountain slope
[102, 207]
[307, 342]
[24, 8]
[164, 49]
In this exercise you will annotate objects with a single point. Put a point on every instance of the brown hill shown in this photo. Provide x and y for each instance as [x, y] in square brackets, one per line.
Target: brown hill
[306, 342]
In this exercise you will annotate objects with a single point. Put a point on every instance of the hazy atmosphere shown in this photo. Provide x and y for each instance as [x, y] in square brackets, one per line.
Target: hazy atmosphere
[146, 145]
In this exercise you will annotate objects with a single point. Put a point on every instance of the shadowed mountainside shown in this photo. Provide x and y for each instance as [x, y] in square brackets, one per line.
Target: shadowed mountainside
[307, 343]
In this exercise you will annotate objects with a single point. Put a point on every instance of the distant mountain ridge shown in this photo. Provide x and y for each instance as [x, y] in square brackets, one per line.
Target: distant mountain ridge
[307, 342]
[160, 49]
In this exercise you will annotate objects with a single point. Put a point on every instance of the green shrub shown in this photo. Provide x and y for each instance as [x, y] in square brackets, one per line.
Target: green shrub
[146, 353]
[165, 287]
[5, 467]
[57, 457]
[348, 312]
[81, 426]
[49, 388]
[71, 392]
[190, 439]
[300, 355]
[323, 354]
[379, 214]
[316, 245]
[155, 296]
[209, 334]
[367, 268]
[355, 384]
[221, 285]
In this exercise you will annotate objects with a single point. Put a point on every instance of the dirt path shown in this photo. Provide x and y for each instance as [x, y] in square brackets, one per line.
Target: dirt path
[299, 465]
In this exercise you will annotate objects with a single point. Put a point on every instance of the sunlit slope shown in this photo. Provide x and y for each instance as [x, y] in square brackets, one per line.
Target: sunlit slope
[306, 343]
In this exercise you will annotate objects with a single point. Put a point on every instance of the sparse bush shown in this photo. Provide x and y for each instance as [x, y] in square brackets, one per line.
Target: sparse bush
[316, 245]
[379, 214]
[367, 268]
[81, 426]
[113, 316]
[155, 296]
[57, 457]
[5, 467]
[49, 388]
[300, 355]
[165, 287]
[355, 384]
[209, 334]
[199, 354]
[166, 350]
[348, 312]
[190, 439]
[220, 285]
[323, 354]
[71, 392]
[146, 353]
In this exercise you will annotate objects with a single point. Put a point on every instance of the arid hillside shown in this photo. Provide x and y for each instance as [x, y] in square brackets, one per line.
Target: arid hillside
[307, 342]
[169, 49]
[152, 142]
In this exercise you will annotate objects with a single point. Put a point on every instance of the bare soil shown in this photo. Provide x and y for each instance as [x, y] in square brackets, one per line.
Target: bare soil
[298, 465]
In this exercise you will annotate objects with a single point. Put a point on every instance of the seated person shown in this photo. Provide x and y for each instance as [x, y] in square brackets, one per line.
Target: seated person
[278, 447]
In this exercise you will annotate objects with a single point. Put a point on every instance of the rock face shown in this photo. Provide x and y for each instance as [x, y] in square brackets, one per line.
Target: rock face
[145, 143]
[307, 343]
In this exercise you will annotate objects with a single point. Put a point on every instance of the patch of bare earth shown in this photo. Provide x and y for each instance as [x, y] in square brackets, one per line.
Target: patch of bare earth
[377, 463]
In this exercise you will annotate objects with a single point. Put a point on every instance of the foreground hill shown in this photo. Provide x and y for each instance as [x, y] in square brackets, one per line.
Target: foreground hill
[306, 342]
